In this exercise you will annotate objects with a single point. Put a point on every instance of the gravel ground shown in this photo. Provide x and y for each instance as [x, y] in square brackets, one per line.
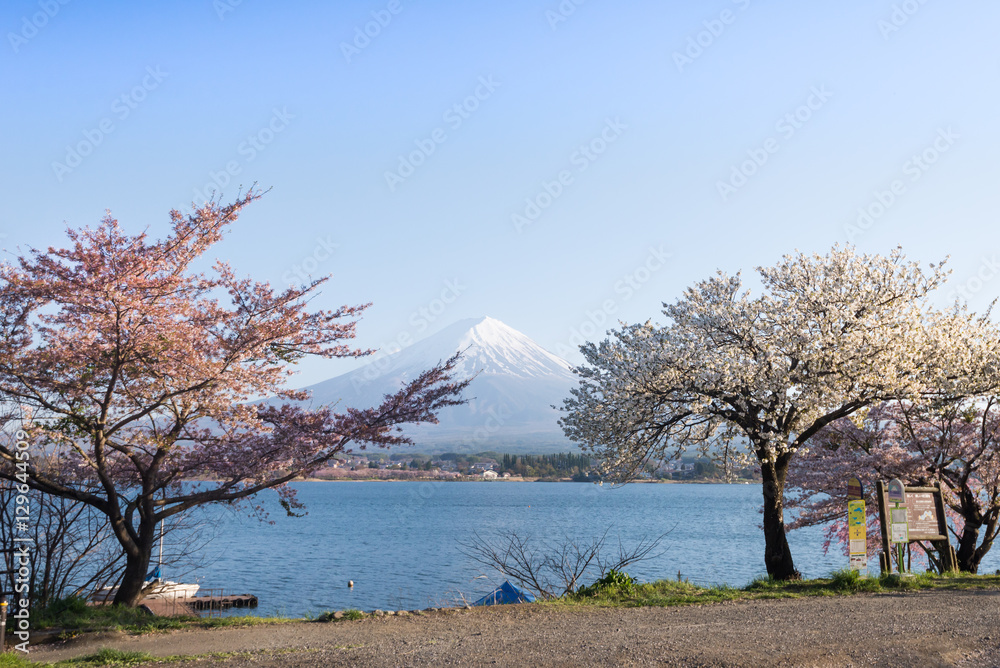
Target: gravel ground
[929, 628]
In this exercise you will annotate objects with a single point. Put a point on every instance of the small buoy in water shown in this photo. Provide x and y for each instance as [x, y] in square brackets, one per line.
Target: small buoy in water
[350, 583]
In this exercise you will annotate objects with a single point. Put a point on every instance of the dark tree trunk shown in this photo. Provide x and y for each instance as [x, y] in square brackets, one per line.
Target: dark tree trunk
[777, 556]
[967, 554]
[136, 566]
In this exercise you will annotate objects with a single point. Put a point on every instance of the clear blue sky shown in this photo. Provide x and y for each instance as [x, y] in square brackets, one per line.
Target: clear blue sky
[666, 120]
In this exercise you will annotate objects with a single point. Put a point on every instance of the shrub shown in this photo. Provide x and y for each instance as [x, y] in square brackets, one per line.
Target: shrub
[613, 580]
[114, 658]
[851, 580]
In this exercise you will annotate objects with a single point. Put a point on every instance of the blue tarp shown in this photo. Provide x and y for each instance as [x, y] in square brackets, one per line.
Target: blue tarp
[504, 594]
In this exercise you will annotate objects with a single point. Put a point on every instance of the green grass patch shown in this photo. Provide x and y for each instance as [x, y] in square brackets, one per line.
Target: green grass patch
[14, 659]
[616, 581]
[345, 616]
[73, 615]
[108, 658]
[673, 592]
[238, 621]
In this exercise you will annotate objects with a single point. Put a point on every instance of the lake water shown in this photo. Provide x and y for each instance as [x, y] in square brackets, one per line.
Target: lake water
[399, 541]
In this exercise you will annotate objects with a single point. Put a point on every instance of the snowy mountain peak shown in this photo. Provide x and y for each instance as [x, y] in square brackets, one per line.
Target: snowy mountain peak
[510, 401]
[494, 347]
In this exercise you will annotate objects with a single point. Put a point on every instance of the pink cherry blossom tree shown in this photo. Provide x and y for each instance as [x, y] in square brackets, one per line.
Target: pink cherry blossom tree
[755, 378]
[135, 373]
[956, 443]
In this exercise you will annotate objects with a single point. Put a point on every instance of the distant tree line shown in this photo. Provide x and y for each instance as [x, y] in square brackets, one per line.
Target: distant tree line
[561, 465]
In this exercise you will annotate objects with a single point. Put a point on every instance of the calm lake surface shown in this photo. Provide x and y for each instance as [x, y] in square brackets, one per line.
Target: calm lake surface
[399, 541]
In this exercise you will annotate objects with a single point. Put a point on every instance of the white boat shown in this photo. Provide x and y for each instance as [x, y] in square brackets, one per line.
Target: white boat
[155, 589]
[171, 590]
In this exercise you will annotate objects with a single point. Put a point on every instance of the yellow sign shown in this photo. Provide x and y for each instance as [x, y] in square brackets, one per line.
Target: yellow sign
[856, 514]
[857, 528]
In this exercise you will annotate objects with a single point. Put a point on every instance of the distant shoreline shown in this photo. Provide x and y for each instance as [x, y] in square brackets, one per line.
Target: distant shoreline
[519, 479]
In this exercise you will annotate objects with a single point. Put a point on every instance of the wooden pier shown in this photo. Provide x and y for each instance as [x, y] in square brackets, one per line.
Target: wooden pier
[194, 605]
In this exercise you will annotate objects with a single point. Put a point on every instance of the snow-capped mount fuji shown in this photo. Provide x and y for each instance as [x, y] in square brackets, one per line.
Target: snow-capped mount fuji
[510, 401]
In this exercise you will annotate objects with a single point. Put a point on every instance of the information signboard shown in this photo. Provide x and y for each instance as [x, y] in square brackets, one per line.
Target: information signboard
[898, 533]
[857, 528]
[856, 519]
[898, 529]
[918, 517]
[921, 516]
[923, 513]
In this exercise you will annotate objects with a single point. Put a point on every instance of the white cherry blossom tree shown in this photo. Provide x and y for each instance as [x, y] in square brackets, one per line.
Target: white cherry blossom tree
[742, 377]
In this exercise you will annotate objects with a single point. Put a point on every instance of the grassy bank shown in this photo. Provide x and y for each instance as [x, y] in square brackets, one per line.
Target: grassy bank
[72, 616]
[628, 593]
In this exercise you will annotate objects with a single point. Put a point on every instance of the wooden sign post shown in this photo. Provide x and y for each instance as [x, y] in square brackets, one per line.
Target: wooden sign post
[899, 532]
[857, 525]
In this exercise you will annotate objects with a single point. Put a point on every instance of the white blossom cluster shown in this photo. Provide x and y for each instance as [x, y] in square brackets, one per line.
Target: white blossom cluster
[829, 335]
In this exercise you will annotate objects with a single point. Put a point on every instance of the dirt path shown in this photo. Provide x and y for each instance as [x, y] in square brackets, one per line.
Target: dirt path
[931, 628]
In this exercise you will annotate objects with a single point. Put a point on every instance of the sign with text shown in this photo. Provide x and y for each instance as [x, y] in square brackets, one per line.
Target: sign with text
[857, 529]
[924, 518]
[898, 530]
[921, 516]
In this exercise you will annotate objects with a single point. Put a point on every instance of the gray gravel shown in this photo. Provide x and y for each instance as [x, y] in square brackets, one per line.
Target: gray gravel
[931, 628]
